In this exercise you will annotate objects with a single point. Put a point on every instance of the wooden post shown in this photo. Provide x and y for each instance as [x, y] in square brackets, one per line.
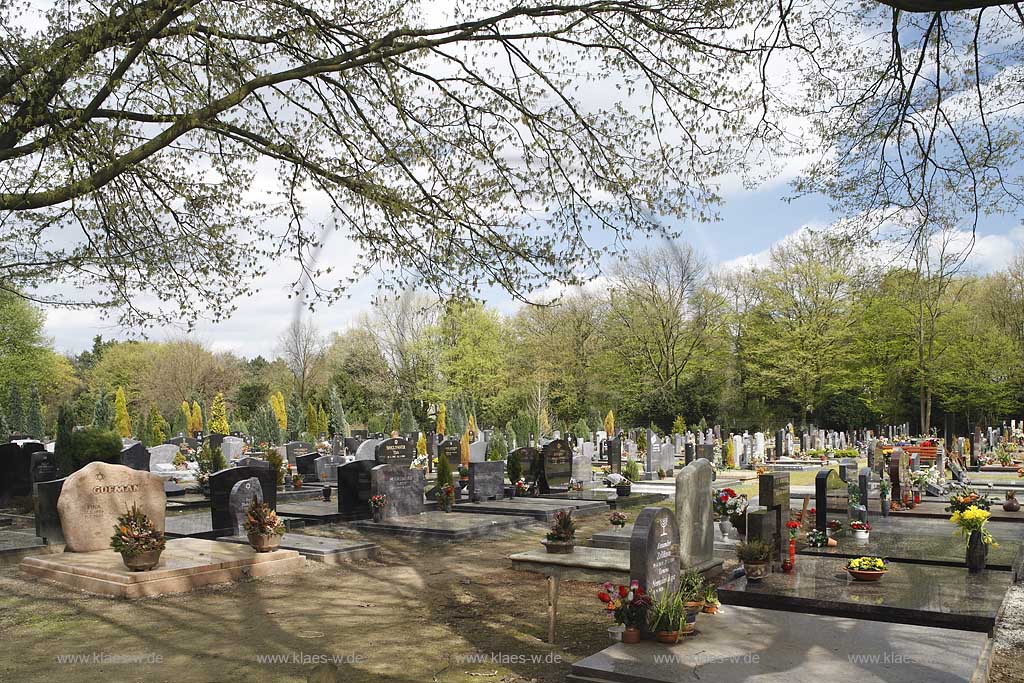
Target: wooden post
[553, 582]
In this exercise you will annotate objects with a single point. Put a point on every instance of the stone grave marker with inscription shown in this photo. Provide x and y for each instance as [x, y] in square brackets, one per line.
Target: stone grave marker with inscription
[43, 467]
[402, 486]
[773, 495]
[556, 465]
[613, 454]
[486, 481]
[293, 449]
[252, 462]
[368, 450]
[232, 447]
[327, 468]
[92, 498]
[162, 455]
[654, 551]
[354, 489]
[47, 493]
[864, 484]
[695, 516]
[305, 465]
[398, 452]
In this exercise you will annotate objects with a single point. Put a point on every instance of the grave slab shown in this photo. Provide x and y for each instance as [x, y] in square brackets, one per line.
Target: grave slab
[543, 509]
[608, 496]
[618, 539]
[919, 549]
[762, 646]
[582, 564]
[323, 549]
[929, 509]
[944, 597]
[186, 564]
[444, 525]
[17, 545]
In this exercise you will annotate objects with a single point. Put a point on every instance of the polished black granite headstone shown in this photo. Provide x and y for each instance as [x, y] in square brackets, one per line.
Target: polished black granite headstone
[945, 597]
[486, 480]
[221, 484]
[354, 489]
[398, 452]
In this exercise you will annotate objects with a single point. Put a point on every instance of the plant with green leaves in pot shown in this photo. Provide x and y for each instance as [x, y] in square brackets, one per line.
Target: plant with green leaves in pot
[884, 489]
[756, 556]
[562, 537]
[853, 491]
[692, 588]
[817, 538]
[263, 526]
[711, 601]
[666, 616]
[138, 540]
[631, 470]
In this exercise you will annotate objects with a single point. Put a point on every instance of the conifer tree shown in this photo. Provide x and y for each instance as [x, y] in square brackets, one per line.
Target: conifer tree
[219, 416]
[34, 415]
[312, 420]
[182, 419]
[441, 416]
[609, 424]
[280, 410]
[444, 471]
[103, 413]
[65, 431]
[464, 449]
[322, 426]
[196, 424]
[5, 430]
[396, 421]
[158, 426]
[472, 426]
[296, 414]
[497, 449]
[122, 423]
[407, 420]
[543, 424]
[15, 410]
[421, 445]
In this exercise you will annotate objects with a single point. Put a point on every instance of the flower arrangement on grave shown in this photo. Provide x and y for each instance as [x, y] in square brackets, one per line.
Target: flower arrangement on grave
[919, 479]
[628, 606]
[137, 539]
[964, 497]
[1003, 455]
[971, 520]
[816, 538]
[446, 496]
[179, 461]
[561, 538]
[857, 525]
[884, 487]
[833, 527]
[867, 568]
[736, 509]
[522, 488]
[617, 518]
[263, 526]
[379, 501]
[794, 528]
[297, 480]
[720, 500]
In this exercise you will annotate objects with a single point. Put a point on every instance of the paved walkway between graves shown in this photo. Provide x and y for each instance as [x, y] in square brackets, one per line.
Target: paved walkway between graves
[423, 612]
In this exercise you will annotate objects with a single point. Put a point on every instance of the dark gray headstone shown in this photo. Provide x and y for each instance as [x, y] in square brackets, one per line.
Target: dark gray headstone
[354, 489]
[242, 494]
[706, 451]
[764, 526]
[352, 444]
[821, 487]
[398, 452]
[47, 519]
[135, 456]
[847, 469]
[305, 464]
[773, 490]
[864, 483]
[361, 434]
[613, 453]
[223, 481]
[327, 468]
[690, 452]
[452, 450]
[486, 480]
[43, 467]
[654, 551]
[215, 440]
[556, 459]
[252, 462]
[294, 449]
[403, 487]
[15, 474]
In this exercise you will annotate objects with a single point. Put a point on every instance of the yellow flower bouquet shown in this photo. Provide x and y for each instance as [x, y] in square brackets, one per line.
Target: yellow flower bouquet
[974, 519]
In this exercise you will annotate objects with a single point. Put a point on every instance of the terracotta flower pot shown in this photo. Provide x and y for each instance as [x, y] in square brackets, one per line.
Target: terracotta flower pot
[667, 637]
[142, 562]
[264, 543]
[711, 608]
[832, 543]
[861, 575]
[631, 635]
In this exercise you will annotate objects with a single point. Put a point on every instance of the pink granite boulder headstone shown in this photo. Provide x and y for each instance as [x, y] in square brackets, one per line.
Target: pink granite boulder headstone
[93, 497]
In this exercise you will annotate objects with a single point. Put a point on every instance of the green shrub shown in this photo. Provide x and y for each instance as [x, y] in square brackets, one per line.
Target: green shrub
[497, 449]
[88, 445]
[514, 467]
[444, 471]
[276, 464]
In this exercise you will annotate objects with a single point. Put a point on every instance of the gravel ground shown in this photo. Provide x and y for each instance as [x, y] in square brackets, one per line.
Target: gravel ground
[1008, 659]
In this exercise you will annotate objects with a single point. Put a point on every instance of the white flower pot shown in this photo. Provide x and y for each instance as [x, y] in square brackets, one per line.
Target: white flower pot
[860, 534]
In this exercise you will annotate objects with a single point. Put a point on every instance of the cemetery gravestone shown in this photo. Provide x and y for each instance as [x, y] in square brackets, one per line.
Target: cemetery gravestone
[15, 475]
[241, 496]
[452, 450]
[42, 467]
[556, 459]
[613, 453]
[403, 488]
[352, 444]
[368, 450]
[581, 468]
[899, 475]
[326, 468]
[232, 447]
[253, 462]
[293, 449]
[162, 455]
[773, 494]
[354, 487]
[305, 465]
[695, 516]
[654, 551]
[92, 498]
[847, 469]
[135, 456]
[398, 452]
[216, 441]
[864, 483]
[486, 481]
[47, 493]
[223, 481]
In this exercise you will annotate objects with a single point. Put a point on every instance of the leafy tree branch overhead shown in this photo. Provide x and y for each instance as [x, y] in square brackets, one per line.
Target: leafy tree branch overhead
[475, 144]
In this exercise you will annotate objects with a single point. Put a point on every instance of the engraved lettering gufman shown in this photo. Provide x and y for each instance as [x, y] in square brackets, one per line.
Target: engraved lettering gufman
[116, 488]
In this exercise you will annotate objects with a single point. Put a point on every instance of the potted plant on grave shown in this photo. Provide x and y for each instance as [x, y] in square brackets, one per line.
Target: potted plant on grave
[628, 605]
[263, 526]
[666, 617]
[756, 556]
[661, 473]
[520, 488]
[833, 528]
[691, 593]
[711, 602]
[816, 538]
[918, 480]
[964, 497]
[867, 568]
[297, 481]
[561, 540]
[463, 477]
[617, 519]
[860, 530]
[884, 488]
[720, 499]
[377, 505]
[138, 540]
[1011, 504]
[737, 512]
[793, 527]
[445, 497]
[972, 523]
